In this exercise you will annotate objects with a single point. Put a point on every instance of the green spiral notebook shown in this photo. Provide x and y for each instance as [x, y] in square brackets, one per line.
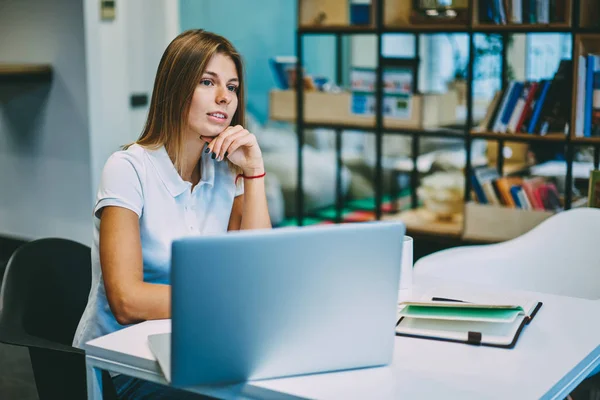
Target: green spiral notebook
[481, 321]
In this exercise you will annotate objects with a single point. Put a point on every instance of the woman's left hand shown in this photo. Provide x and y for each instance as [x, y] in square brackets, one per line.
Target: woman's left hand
[239, 146]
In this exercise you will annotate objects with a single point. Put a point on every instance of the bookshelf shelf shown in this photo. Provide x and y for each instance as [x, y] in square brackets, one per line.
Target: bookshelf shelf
[443, 28]
[348, 126]
[579, 18]
[422, 222]
[520, 137]
[25, 72]
[587, 36]
[437, 132]
[589, 31]
[426, 28]
[336, 29]
[431, 132]
[594, 140]
[523, 28]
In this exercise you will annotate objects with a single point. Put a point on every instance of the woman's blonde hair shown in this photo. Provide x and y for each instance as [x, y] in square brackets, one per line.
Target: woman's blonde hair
[179, 72]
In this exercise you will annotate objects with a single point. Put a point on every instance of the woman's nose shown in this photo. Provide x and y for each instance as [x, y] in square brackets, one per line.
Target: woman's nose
[223, 96]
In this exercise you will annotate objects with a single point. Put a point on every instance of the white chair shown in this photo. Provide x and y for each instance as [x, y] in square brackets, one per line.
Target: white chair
[559, 256]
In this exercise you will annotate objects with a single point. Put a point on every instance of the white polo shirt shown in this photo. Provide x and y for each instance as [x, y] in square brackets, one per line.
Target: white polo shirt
[146, 182]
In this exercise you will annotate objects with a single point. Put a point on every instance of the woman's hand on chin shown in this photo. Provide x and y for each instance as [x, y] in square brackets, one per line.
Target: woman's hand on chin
[239, 146]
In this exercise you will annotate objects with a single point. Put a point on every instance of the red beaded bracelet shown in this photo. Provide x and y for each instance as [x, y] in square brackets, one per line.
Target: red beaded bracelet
[249, 177]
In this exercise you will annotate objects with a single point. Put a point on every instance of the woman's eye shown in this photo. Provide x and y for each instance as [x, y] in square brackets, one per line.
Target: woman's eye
[232, 88]
[206, 82]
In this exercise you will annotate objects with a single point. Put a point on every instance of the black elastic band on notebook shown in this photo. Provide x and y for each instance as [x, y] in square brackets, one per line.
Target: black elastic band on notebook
[445, 299]
[474, 337]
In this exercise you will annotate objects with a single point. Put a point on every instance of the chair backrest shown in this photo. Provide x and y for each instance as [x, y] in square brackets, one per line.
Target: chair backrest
[45, 288]
[43, 295]
[558, 256]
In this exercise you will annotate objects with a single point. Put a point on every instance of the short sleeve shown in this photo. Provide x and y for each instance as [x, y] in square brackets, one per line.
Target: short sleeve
[239, 187]
[120, 184]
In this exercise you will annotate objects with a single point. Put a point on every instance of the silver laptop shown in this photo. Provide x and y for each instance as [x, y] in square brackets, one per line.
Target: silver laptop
[263, 304]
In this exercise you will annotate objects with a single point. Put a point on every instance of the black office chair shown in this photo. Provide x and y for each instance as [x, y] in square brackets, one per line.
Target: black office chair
[43, 295]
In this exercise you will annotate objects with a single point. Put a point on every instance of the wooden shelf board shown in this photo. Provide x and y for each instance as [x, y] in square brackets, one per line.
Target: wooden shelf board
[422, 221]
[458, 28]
[25, 69]
[588, 36]
[426, 27]
[553, 137]
[328, 29]
[523, 27]
[430, 132]
[586, 140]
[20, 72]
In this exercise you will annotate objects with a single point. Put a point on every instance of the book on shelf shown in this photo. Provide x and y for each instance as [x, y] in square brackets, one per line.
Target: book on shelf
[475, 318]
[556, 109]
[532, 107]
[397, 91]
[587, 107]
[284, 71]
[281, 66]
[507, 107]
[502, 12]
[535, 193]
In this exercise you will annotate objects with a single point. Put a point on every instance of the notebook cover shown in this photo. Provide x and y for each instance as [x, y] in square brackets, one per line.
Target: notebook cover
[474, 338]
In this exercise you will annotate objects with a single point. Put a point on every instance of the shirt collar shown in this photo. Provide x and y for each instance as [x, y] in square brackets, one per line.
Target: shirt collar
[171, 178]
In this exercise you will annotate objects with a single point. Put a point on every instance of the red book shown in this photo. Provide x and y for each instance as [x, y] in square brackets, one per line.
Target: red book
[530, 187]
[528, 109]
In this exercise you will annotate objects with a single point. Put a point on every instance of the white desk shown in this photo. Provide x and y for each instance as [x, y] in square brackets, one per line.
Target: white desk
[553, 355]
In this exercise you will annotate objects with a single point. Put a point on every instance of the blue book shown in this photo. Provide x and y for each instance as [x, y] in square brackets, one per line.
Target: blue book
[589, 95]
[538, 107]
[280, 66]
[478, 190]
[497, 121]
[481, 176]
[510, 105]
[514, 192]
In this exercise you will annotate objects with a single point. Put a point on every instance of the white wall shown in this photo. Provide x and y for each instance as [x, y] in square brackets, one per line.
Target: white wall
[122, 57]
[44, 142]
[144, 48]
[106, 52]
[56, 137]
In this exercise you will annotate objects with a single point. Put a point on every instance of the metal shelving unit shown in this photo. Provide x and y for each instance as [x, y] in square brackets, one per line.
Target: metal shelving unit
[466, 133]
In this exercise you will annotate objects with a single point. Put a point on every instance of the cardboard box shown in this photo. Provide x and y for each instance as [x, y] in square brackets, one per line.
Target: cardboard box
[427, 111]
[323, 12]
[495, 223]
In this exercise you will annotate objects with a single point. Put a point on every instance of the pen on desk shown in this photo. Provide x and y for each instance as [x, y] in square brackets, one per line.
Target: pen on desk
[445, 299]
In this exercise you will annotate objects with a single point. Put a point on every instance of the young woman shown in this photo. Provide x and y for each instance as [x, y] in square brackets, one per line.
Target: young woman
[194, 170]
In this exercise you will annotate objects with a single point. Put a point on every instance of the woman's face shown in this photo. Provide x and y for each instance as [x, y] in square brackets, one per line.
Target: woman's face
[215, 98]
